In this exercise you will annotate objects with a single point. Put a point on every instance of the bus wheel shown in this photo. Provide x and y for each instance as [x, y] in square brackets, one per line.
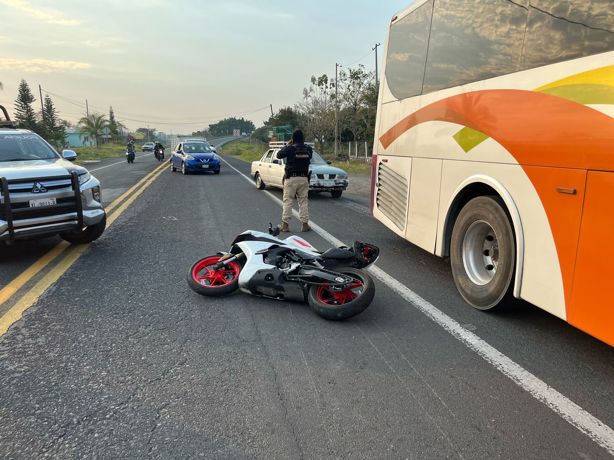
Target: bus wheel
[483, 252]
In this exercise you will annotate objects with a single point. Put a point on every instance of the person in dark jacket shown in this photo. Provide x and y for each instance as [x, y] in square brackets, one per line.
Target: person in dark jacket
[296, 180]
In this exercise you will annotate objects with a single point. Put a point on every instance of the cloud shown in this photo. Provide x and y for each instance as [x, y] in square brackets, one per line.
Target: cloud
[41, 65]
[48, 15]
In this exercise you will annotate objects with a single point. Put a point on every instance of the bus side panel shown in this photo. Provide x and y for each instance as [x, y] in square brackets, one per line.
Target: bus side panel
[424, 203]
[561, 192]
[592, 305]
[541, 280]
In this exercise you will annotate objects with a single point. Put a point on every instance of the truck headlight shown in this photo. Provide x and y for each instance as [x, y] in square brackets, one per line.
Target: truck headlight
[84, 177]
[97, 194]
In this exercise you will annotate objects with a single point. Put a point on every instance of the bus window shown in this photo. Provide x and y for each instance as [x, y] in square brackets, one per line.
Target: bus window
[473, 42]
[406, 57]
[558, 31]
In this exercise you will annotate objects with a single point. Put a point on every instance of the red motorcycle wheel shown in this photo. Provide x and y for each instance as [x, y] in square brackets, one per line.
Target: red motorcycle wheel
[211, 282]
[335, 303]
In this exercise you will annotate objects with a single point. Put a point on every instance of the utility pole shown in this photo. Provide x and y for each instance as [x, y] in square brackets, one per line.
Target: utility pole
[40, 91]
[337, 65]
[271, 109]
[376, 73]
[87, 109]
[147, 132]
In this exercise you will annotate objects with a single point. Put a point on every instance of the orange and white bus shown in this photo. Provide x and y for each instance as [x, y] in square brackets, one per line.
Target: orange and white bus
[494, 147]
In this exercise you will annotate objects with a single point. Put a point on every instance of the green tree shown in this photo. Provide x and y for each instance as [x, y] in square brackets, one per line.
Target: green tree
[318, 110]
[112, 125]
[24, 113]
[358, 103]
[226, 126]
[93, 125]
[149, 134]
[52, 128]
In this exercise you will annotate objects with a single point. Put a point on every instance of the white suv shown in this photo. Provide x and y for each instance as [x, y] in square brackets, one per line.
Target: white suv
[42, 193]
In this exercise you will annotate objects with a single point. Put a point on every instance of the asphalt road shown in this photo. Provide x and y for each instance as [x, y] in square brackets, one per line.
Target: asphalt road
[120, 359]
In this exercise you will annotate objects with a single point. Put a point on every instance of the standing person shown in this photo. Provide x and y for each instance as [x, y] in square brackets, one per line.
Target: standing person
[296, 180]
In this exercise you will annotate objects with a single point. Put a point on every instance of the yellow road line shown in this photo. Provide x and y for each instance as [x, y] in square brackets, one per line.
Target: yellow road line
[29, 298]
[130, 200]
[15, 285]
[15, 313]
[10, 289]
[132, 189]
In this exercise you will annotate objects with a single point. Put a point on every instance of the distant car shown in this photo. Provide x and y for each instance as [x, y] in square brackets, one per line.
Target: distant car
[148, 147]
[194, 156]
[324, 178]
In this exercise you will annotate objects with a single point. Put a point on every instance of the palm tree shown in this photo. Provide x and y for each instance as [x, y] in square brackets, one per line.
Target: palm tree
[93, 125]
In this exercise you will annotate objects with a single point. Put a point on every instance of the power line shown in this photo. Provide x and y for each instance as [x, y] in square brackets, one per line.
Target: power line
[126, 116]
[359, 60]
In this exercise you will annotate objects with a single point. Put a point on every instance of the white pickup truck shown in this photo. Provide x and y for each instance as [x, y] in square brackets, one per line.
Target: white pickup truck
[42, 193]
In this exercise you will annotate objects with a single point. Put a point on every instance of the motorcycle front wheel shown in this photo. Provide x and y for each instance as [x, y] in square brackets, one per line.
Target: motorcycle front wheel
[205, 280]
[337, 303]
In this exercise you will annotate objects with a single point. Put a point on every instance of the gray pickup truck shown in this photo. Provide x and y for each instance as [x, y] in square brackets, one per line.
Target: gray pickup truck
[42, 193]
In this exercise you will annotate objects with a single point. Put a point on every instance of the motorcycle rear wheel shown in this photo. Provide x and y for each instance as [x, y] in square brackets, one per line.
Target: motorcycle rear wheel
[210, 282]
[338, 304]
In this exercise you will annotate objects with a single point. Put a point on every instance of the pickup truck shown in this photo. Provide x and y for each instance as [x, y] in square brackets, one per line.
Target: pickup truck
[42, 193]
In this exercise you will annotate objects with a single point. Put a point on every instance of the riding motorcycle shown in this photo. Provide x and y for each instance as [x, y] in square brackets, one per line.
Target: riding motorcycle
[159, 154]
[331, 282]
[130, 155]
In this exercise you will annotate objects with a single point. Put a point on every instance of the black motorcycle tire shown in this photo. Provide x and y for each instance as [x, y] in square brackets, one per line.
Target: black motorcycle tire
[210, 291]
[349, 309]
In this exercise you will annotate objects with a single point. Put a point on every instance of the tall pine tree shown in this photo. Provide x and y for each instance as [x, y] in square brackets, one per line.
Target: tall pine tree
[24, 113]
[112, 124]
[53, 130]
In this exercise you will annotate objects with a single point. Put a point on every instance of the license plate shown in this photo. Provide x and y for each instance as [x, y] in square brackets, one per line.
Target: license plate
[43, 202]
[329, 183]
[204, 166]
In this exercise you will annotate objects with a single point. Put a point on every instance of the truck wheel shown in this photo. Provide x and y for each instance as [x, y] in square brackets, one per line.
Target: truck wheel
[259, 182]
[88, 235]
[483, 253]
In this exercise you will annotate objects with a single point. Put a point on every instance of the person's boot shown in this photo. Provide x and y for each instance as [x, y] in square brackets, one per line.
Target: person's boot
[305, 227]
[285, 227]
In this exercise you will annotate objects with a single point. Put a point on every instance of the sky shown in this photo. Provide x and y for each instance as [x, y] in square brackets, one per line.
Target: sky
[179, 65]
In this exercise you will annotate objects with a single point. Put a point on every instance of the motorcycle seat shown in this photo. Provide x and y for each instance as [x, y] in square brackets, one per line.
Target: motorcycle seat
[338, 254]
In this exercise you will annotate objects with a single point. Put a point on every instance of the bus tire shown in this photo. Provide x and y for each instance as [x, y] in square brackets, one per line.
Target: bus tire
[483, 253]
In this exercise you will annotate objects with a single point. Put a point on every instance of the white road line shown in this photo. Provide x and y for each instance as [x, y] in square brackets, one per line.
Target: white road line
[591, 426]
[117, 163]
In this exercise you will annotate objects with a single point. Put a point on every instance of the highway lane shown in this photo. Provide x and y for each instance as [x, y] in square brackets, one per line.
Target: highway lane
[121, 359]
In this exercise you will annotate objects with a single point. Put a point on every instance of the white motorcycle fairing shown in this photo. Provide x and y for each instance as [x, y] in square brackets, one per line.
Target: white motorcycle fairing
[261, 243]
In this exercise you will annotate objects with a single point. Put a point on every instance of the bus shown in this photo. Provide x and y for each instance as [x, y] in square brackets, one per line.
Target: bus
[494, 146]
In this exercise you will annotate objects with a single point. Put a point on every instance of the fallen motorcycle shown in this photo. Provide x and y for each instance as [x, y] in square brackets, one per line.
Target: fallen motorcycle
[331, 282]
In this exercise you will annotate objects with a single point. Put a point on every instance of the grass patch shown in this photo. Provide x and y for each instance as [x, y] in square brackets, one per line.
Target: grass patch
[104, 151]
[245, 150]
[354, 166]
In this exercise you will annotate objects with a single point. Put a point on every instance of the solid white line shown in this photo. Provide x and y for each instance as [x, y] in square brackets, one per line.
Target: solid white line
[591, 426]
[117, 163]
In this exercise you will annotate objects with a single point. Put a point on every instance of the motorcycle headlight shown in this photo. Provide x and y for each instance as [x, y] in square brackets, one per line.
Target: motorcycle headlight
[84, 177]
